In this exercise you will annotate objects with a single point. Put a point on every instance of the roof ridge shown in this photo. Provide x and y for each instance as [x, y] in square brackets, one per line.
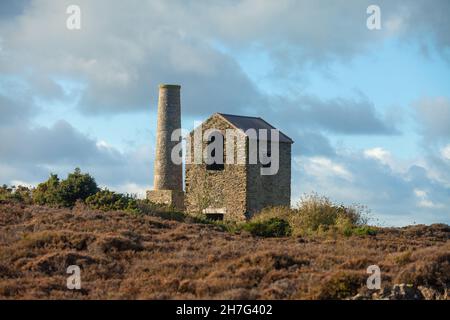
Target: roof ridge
[236, 126]
[236, 115]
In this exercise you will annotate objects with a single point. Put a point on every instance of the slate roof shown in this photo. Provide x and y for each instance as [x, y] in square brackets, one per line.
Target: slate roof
[246, 122]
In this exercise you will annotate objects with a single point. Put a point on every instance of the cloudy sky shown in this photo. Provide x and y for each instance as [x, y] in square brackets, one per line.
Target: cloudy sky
[369, 110]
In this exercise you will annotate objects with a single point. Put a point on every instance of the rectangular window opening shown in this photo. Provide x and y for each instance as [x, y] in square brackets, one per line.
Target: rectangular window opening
[216, 166]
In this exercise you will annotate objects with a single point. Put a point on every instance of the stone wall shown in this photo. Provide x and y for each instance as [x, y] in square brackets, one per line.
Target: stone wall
[270, 190]
[226, 188]
[240, 189]
[172, 198]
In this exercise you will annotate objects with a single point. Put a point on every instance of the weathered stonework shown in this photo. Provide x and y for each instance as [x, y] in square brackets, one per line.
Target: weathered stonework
[169, 197]
[270, 190]
[225, 188]
[239, 190]
[168, 176]
[236, 190]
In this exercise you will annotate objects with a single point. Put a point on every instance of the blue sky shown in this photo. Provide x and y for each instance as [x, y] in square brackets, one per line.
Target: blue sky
[369, 110]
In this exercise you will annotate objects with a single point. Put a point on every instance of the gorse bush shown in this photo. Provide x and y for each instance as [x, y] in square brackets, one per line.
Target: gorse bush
[47, 193]
[65, 193]
[77, 186]
[81, 187]
[273, 227]
[319, 215]
[107, 200]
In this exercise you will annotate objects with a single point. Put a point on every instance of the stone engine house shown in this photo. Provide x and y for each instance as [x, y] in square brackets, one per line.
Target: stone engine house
[233, 189]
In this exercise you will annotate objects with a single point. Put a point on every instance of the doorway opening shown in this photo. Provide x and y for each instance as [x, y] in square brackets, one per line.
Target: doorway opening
[215, 216]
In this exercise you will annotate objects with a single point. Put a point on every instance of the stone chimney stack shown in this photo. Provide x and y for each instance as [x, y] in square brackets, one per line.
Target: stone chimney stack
[168, 176]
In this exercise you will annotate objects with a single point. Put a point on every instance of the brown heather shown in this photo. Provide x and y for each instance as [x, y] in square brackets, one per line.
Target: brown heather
[125, 256]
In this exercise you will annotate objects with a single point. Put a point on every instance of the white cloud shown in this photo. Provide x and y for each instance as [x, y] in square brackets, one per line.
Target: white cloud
[420, 193]
[398, 197]
[379, 154]
[322, 167]
[101, 144]
[23, 183]
[162, 42]
[172, 41]
[424, 201]
[29, 155]
[445, 152]
[385, 157]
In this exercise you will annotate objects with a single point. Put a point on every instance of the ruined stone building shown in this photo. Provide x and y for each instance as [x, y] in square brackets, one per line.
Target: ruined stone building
[231, 189]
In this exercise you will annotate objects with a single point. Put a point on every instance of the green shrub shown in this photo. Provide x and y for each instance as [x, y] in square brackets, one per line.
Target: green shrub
[106, 200]
[5, 192]
[77, 186]
[18, 194]
[65, 193]
[364, 231]
[273, 227]
[47, 193]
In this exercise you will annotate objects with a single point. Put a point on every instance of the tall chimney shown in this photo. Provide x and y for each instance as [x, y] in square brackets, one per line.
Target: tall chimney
[168, 176]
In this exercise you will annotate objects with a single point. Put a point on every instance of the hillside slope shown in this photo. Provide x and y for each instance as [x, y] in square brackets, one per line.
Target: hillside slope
[145, 257]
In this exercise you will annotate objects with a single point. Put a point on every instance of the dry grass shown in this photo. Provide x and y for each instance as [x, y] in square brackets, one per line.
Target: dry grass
[125, 256]
[316, 214]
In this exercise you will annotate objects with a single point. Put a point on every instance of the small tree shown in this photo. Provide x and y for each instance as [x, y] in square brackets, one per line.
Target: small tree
[23, 194]
[5, 193]
[48, 192]
[65, 193]
[77, 186]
